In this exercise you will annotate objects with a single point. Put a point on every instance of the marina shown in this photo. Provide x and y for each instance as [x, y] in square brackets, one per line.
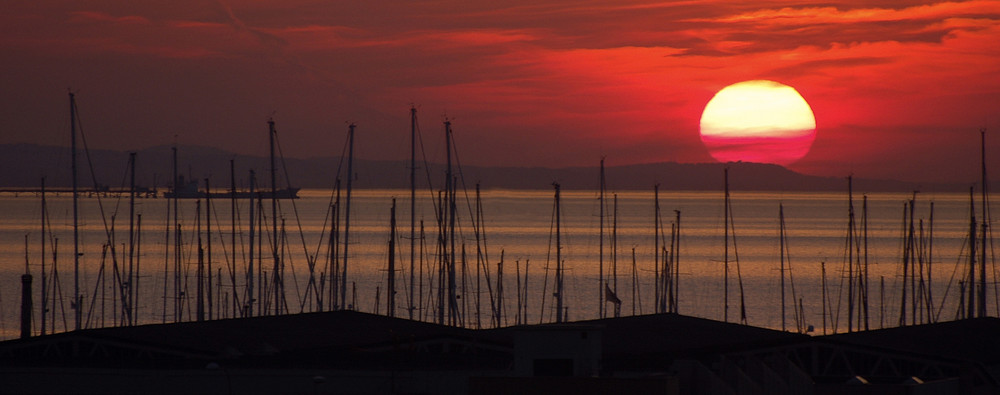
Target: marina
[527, 283]
[596, 254]
[517, 224]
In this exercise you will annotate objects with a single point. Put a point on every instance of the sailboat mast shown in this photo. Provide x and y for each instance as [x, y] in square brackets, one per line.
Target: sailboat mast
[276, 271]
[517, 285]
[850, 254]
[985, 224]
[906, 263]
[614, 253]
[413, 203]
[138, 254]
[208, 241]
[499, 312]
[45, 294]
[480, 259]
[450, 189]
[335, 285]
[77, 305]
[912, 245]
[442, 257]
[781, 254]
[347, 215]
[391, 294]
[26, 294]
[600, 253]
[200, 301]
[971, 307]
[864, 229]
[133, 294]
[823, 296]
[177, 241]
[524, 298]
[232, 231]
[675, 263]
[252, 209]
[660, 286]
[559, 269]
[725, 242]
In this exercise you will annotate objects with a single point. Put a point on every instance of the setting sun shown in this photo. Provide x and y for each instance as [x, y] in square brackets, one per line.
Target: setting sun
[758, 121]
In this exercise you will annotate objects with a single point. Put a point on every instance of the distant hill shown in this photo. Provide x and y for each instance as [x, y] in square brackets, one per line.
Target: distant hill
[24, 164]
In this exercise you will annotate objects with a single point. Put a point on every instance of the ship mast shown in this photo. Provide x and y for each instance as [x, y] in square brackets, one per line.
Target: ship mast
[177, 241]
[450, 192]
[559, 268]
[252, 209]
[600, 254]
[971, 307]
[276, 271]
[347, 215]
[77, 308]
[781, 259]
[985, 225]
[413, 202]
[850, 258]
[725, 242]
[44, 290]
[133, 273]
[391, 292]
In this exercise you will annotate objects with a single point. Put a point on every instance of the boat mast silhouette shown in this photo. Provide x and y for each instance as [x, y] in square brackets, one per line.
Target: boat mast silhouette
[77, 308]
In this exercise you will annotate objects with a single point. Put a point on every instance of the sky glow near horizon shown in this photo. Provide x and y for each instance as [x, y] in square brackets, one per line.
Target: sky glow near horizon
[900, 89]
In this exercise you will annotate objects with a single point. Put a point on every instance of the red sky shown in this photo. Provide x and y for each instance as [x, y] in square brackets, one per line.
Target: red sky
[898, 90]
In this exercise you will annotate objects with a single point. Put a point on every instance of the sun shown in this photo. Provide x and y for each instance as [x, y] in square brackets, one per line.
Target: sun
[758, 121]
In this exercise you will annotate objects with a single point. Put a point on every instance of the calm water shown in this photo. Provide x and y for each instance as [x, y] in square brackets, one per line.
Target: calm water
[519, 225]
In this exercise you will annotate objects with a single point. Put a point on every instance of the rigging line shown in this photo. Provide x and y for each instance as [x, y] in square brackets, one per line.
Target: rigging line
[799, 320]
[845, 265]
[333, 193]
[658, 282]
[427, 171]
[483, 254]
[125, 175]
[504, 306]
[328, 220]
[246, 276]
[988, 235]
[90, 164]
[461, 175]
[736, 258]
[478, 229]
[291, 264]
[225, 250]
[957, 266]
[288, 256]
[548, 260]
[295, 208]
[99, 283]
[987, 221]
[901, 250]
[992, 249]
[321, 288]
[310, 259]
[93, 176]
[166, 263]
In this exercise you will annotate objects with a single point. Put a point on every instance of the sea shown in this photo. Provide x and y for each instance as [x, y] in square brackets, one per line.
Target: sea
[517, 230]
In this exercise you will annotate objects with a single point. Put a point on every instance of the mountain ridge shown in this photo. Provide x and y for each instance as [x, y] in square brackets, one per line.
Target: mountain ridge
[26, 164]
